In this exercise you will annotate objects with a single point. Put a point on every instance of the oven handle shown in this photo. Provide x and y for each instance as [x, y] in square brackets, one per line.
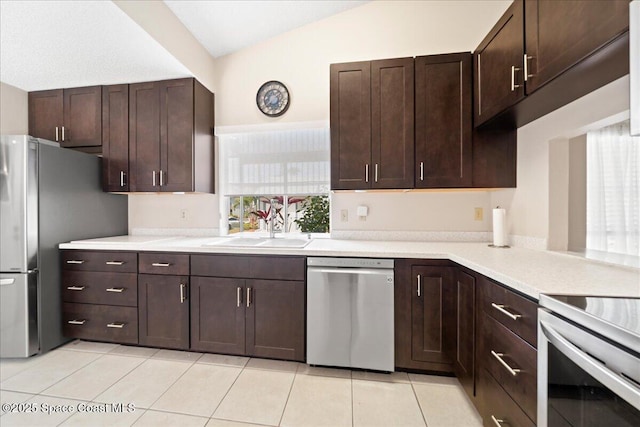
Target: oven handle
[616, 383]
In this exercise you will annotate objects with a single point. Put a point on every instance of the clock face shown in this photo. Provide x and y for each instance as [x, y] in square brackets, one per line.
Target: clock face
[273, 98]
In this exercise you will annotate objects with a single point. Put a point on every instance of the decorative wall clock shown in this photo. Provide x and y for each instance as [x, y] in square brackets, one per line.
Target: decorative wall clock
[273, 98]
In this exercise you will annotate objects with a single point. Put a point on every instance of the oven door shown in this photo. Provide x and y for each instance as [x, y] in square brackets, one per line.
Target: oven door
[583, 380]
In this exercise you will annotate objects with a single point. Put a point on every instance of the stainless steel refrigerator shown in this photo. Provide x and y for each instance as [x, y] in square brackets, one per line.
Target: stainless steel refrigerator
[48, 195]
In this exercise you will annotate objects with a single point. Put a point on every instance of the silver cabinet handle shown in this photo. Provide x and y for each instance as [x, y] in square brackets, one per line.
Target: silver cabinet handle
[513, 78]
[501, 309]
[496, 421]
[183, 295]
[248, 297]
[57, 134]
[154, 178]
[375, 173]
[62, 133]
[238, 296]
[76, 322]
[512, 371]
[116, 290]
[122, 183]
[160, 264]
[421, 171]
[75, 261]
[75, 288]
[161, 178]
[115, 325]
[419, 284]
[5, 282]
[526, 67]
[114, 262]
[366, 172]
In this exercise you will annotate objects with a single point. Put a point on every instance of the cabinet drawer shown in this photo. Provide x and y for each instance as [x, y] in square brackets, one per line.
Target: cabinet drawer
[100, 288]
[503, 350]
[100, 322]
[240, 266]
[496, 404]
[117, 262]
[515, 312]
[163, 263]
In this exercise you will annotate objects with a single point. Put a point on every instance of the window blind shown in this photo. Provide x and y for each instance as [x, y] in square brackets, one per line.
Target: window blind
[281, 162]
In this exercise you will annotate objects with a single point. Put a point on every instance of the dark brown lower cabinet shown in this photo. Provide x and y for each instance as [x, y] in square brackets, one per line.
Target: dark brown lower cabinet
[425, 316]
[464, 360]
[499, 408]
[163, 304]
[275, 319]
[218, 315]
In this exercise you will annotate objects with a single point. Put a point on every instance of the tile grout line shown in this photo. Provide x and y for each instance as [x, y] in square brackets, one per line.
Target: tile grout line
[228, 390]
[418, 401]
[295, 374]
[173, 383]
[353, 419]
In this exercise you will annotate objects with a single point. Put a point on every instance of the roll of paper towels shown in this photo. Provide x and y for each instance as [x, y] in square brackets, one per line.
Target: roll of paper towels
[499, 227]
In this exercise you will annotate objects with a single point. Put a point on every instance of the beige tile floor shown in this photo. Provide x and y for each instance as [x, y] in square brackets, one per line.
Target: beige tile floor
[79, 383]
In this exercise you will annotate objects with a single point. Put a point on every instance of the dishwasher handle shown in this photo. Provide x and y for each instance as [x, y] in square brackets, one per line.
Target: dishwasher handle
[349, 270]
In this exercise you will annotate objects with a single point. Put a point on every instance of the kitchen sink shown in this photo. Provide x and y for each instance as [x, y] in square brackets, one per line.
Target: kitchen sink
[261, 242]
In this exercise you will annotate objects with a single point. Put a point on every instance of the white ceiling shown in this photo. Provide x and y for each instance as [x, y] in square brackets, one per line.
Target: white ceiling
[223, 27]
[57, 44]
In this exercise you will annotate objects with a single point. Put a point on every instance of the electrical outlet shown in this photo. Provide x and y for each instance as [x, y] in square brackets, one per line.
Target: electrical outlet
[478, 214]
[344, 215]
[183, 214]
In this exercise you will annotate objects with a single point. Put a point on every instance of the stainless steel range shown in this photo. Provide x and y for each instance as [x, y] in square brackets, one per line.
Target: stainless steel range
[588, 361]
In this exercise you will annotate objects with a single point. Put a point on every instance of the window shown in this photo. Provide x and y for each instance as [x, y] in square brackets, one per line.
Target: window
[290, 167]
[613, 190]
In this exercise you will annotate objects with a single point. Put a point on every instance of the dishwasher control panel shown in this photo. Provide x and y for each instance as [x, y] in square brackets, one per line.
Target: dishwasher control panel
[350, 262]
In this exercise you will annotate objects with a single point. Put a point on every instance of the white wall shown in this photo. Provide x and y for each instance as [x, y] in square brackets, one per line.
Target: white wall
[376, 30]
[14, 113]
[529, 211]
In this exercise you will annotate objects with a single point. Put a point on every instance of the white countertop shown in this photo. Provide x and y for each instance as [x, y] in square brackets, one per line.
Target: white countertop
[528, 271]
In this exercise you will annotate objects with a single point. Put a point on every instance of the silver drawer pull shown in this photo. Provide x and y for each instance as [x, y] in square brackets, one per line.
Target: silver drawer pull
[114, 262]
[75, 288]
[75, 261]
[501, 309]
[115, 325]
[512, 371]
[160, 264]
[116, 290]
[497, 421]
[76, 322]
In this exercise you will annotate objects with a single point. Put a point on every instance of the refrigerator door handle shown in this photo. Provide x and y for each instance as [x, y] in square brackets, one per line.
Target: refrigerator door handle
[6, 282]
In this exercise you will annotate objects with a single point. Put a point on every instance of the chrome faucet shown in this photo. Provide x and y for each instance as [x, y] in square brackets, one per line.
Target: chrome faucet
[272, 231]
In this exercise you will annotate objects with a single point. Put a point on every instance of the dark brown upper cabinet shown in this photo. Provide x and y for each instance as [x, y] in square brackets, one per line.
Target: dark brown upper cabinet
[542, 55]
[443, 121]
[170, 137]
[72, 117]
[115, 137]
[372, 124]
[498, 65]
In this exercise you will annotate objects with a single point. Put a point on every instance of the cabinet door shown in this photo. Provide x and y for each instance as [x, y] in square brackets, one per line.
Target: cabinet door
[275, 319]
[432, 320]
[350, 111]
[218, 315]
[163, 306]
[464, 361]
[443, 121]
[45, 114]
[498, 61]
[144, 137]
[82, 117]
[176, 135]
[553, 46]
[115, 137]
[392, 118]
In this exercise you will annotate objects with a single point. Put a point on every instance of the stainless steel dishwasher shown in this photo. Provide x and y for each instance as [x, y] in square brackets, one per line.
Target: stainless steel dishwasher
[350, 313]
